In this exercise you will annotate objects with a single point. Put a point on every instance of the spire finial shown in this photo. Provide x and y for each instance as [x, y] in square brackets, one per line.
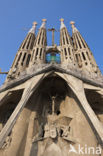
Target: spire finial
[43, 23]
[74, 29]
[32, 30]
[62, 20]
[44, 20]
[72, 23]
[34, 23]
[62, 23]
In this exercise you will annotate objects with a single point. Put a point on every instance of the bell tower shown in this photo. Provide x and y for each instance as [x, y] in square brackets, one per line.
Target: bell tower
[23, 56]
[83, 54]
[38, 53]
[67, 51]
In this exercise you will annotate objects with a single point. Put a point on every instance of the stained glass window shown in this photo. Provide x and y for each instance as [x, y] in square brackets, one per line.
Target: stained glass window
[53, 57]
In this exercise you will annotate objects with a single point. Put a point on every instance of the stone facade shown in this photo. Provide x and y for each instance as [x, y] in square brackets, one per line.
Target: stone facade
[52, 100]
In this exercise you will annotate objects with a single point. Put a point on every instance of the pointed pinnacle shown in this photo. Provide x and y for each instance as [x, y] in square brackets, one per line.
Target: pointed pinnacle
[74, 29]
[32, 30]
[72, 22]
[43, 23]
[62, 23]
[35, 23]
[62, 20]
[44, 20]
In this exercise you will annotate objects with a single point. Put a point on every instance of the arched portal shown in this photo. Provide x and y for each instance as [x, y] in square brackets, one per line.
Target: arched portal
[67, 124]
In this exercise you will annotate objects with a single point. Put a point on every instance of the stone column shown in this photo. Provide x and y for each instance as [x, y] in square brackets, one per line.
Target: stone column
[30, 134]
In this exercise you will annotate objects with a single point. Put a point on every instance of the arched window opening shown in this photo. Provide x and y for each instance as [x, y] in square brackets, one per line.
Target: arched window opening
[75, 43]
[65, 51]
[79, 42]
[43, 38]
[66, 38]
[32, 43]
[25, 41]
[28, 43]
[87, 55]
[63, 41]
[40, 52]
[76, 55]
[78, 58]
[82, 41]
[28, 60]
[36, 53]
[18, 59]
[23, 59]
[39, 38]
[83, 56]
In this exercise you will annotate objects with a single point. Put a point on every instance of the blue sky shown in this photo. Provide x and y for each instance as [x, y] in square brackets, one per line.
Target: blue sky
[18, 14]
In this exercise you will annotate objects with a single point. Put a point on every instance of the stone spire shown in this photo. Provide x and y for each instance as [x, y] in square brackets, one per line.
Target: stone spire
[74, 29]
[23, 55]
[43, 23]
[62, 23]
[32, 30]
[66, 44]
[38, 54]
[29, 40]
[83, 54]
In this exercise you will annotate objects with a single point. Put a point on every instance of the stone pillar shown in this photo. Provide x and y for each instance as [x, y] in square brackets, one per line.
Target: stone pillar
[29, 138]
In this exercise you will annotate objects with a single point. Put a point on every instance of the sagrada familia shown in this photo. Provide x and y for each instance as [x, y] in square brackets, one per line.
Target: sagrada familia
[51, 102]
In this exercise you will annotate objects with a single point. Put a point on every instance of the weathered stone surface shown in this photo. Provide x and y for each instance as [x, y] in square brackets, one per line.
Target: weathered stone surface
[50, 108]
